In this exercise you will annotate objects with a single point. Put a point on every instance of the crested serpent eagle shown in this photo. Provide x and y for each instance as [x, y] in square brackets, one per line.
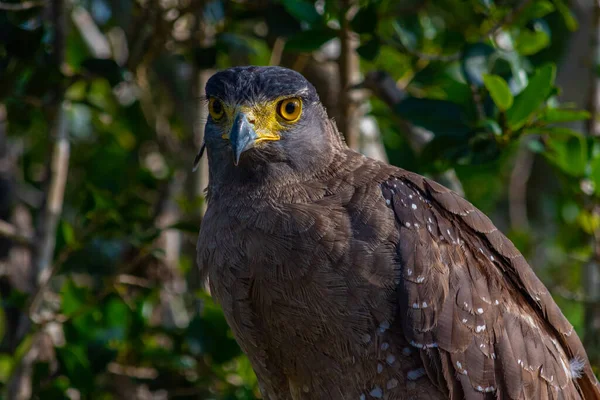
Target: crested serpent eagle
[343, 277]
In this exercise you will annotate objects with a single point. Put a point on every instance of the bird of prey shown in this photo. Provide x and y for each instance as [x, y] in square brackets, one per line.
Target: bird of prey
[343, 277]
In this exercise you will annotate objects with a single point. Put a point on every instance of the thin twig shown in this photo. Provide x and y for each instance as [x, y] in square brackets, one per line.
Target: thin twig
[24, 6]
[9, 231]
[277, 51]
[54, 203]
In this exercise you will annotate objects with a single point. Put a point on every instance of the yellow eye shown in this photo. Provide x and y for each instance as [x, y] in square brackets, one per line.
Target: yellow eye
[290, 109]
[215, 107]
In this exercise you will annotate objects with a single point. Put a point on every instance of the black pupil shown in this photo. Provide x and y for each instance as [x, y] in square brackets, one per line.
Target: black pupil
[217, 108]
[290, 107]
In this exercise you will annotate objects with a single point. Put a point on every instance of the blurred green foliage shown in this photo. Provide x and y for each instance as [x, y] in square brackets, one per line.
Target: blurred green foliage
[124, 315]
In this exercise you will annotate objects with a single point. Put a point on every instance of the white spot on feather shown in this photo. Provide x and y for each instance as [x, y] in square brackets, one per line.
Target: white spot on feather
[390, 359]
[384, 326]
[392, 383]
[424, 305]
[409, 272]
[407, 224]
[385, 346]
[415, 305]
[576, 366]
[379, 368]
[413, 206]
[406, 351]
[416, 225]
[464, 320]
[480, 311]
[492, 258]
[366, 338]
[420, 279]
[480, 328]
[410, 196]
[387, 201]
[376, 392]
[363, 397]
[429, 220]
[415, 374]
[496, 302]
[459, 365]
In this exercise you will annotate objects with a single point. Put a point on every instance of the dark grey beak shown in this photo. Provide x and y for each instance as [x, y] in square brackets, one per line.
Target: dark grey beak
[242, 136]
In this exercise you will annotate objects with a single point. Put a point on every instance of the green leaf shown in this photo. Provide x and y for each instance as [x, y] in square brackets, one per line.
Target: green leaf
[499, 91]
[532, 97]
[74, 360]
[567, 15]
[370, 49]
[595, 172]
[567, 149]
[365, 20]
[68, 233]
[73, 298]
[531, 42]
[302, 11]
[553, 115]
[310, 40]
[537, 9]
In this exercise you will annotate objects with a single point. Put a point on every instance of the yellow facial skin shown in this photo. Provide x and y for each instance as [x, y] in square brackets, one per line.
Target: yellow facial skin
[268, 119]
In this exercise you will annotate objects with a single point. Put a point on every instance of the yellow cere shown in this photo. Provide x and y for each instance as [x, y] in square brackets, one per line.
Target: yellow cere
[268, 119]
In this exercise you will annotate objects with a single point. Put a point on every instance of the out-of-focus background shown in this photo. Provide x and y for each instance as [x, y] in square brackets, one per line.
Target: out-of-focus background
[101, 115]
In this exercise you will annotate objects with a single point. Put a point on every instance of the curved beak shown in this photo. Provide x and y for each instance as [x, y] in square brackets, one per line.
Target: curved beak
[242, 136]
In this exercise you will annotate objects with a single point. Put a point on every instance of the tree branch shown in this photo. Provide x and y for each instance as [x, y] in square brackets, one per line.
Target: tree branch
[59, 168]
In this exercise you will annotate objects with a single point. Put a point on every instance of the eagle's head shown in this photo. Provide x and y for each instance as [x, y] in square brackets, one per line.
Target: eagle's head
[265, 122]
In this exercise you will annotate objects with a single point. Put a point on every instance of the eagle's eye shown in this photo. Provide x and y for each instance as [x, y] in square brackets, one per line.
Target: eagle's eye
[215, 107]
[290, 109]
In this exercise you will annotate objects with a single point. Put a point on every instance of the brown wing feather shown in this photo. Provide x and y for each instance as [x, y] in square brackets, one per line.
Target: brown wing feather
[472, 305]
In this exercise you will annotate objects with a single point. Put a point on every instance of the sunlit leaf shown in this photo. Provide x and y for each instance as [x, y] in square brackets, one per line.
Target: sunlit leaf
[564, 10]
[552, 115]
[532, 97]
[499, 91]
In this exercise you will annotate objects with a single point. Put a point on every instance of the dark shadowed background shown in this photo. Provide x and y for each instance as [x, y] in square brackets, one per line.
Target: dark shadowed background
[101, 115]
